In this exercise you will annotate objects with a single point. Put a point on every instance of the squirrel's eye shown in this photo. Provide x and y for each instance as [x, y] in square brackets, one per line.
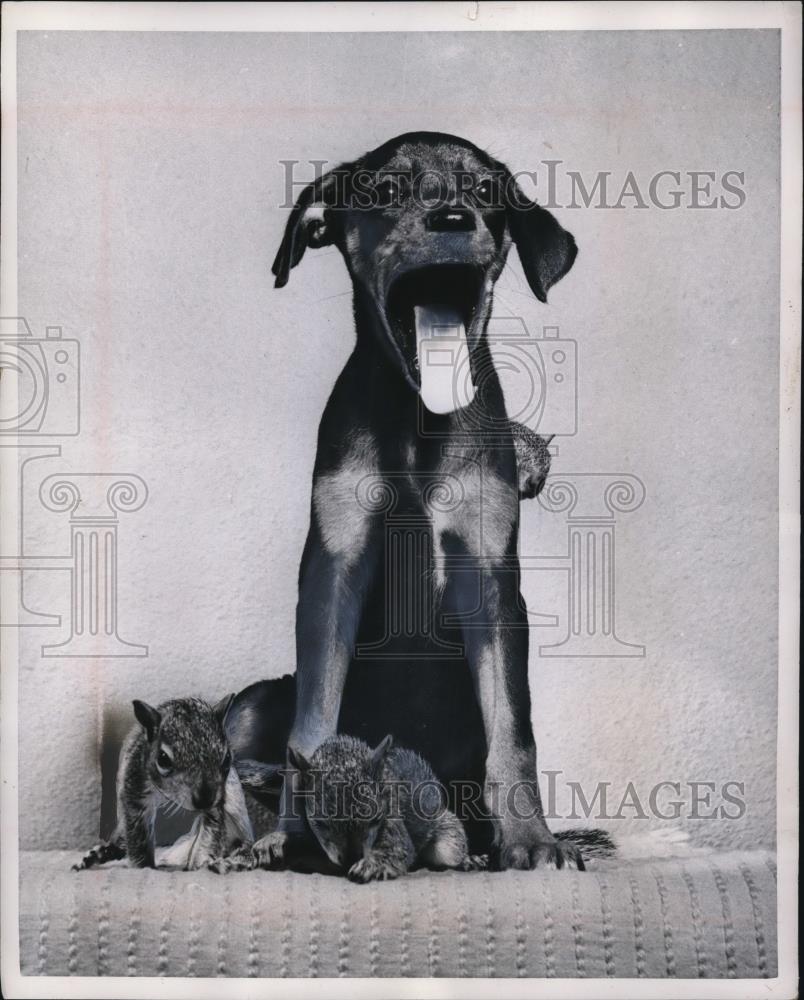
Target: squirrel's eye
[226, 763]
[164, 762]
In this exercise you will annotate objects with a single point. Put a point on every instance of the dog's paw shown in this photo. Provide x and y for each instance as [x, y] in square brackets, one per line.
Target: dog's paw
[373, 869]
[269, 851]
[550, 854]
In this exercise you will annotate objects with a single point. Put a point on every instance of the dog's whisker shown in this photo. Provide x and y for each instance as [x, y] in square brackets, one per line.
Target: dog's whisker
[527, 295]
[510, 309]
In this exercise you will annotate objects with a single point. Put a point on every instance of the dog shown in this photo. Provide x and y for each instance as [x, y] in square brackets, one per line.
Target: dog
[424, 224]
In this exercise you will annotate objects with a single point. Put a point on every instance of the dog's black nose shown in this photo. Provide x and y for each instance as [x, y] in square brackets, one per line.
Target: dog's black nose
[451, 220]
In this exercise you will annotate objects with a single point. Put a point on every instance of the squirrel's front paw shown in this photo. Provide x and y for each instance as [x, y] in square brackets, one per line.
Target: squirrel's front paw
[474, 863]
[241, 860]
[373, 869]
[269, 851]
[99, 855]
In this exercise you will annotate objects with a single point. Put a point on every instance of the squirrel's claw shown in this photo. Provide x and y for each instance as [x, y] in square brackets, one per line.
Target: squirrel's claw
[99, 855]
[240, 860]
[269, 851]
[474, 863]
[374, 869]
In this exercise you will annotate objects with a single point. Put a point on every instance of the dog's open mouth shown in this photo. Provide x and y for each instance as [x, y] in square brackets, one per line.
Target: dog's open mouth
[430, 311]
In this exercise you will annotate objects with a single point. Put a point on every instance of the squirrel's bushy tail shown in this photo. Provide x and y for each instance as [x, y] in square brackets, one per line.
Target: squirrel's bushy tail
[667, 842]
[592, 843]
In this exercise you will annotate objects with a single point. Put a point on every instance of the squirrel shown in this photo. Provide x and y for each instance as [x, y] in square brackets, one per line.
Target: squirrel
[532, 459]
[179, 757]
[375, 813]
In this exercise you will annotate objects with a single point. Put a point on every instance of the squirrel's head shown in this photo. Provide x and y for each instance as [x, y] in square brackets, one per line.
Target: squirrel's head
[345, 800]
[188, 755]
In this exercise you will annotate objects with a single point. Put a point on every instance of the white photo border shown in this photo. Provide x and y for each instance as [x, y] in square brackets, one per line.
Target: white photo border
[443, 16]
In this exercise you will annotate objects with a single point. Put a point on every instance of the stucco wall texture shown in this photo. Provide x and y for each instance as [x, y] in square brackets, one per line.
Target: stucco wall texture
[150, 208]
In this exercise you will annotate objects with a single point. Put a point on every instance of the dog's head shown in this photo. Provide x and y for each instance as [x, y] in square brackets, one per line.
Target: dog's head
[424, 223]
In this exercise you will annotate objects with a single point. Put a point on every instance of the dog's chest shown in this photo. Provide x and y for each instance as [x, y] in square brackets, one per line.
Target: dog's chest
[370, 495]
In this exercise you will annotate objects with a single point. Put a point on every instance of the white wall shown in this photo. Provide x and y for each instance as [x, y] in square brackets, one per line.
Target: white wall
[149, 194]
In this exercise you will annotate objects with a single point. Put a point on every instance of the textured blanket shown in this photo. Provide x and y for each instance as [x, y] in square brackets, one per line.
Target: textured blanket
[707, 917]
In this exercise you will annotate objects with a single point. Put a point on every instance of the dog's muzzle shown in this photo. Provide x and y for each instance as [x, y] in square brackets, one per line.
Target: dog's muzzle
[430, 312]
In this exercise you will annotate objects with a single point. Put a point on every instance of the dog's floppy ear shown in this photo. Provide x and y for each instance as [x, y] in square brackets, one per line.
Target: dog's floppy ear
[310, 222]
[547, 250]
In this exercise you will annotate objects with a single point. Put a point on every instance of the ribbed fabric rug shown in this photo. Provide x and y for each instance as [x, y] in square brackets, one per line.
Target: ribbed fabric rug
[697, 917]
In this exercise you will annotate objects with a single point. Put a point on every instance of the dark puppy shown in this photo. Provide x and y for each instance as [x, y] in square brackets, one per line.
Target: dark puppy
[424, 224]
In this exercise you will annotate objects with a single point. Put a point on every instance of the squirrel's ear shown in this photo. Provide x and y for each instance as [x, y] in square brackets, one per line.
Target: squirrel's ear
[147, 717]
[382, 748]
[297, 760]
[223, 706]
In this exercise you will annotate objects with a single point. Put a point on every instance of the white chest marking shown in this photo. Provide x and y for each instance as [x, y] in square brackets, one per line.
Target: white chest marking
[341, 515]
[482, 517]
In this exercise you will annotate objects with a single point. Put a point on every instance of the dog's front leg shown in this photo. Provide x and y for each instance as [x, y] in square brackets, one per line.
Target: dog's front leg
[481, 533]
[497, 650]
[331, 595]
[338, 561]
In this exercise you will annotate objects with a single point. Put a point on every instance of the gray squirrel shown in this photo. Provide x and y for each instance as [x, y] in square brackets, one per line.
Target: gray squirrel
[375, 813]
[179, 757]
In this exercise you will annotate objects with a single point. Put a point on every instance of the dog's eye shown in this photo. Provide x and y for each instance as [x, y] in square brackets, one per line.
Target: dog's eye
[164, 762]
[487, 192]
[388, 191]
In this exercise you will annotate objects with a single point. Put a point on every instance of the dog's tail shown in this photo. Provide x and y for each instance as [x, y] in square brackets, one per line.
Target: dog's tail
[592, 843]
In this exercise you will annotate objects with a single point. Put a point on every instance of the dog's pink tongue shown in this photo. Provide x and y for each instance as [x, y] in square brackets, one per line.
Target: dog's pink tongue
[443, 355]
